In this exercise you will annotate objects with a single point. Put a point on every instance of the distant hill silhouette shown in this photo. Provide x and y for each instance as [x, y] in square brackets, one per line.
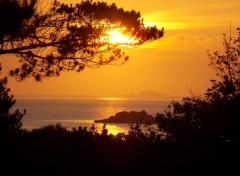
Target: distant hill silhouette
[129, 117]
[151, 94]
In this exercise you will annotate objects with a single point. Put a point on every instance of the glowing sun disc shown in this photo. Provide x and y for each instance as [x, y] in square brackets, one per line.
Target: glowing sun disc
[116, 37]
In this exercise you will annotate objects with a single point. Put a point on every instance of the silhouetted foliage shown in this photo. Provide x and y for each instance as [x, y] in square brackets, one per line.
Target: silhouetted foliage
[143, 133]
[227, 67]
[10, 123]
[67, 37]
[54, 150]
[184, 120]
[135, 132]
[93, 129]
[13, 17]
[215, 116]
[104, 130]
[51, 130]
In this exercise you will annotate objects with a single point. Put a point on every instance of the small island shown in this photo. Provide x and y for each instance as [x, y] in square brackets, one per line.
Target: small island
[129, 117]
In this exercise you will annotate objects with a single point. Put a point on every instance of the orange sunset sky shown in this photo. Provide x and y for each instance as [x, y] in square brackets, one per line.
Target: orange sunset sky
[173, 65]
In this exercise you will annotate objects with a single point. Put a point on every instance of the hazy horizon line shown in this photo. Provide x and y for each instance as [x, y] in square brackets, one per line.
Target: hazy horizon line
[102, 97]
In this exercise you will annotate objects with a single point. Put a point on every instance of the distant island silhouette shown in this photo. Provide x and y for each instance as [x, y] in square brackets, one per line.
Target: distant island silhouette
[129, 117]
[148, 94]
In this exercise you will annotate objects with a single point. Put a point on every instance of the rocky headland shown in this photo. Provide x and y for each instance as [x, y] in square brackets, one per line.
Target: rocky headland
[129, 117]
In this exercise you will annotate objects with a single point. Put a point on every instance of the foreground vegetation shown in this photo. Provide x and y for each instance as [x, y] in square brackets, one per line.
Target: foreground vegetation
[53, 150]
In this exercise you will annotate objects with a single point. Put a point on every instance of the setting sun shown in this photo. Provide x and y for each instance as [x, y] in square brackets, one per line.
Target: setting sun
[116, 37]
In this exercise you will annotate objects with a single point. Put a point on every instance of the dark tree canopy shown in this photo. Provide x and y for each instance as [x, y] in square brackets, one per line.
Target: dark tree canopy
[216, 114]
[68, 37]
[10, 123]
[13, 15]
[227, 68]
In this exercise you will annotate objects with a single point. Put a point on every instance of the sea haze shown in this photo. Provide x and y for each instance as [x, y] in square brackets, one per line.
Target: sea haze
[74, 112]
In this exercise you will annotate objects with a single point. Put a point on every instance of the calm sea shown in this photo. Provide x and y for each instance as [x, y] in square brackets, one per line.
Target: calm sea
[72, 112]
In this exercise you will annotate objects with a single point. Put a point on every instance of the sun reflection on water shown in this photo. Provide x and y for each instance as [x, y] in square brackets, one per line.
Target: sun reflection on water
[113, 129]
[111, 98]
